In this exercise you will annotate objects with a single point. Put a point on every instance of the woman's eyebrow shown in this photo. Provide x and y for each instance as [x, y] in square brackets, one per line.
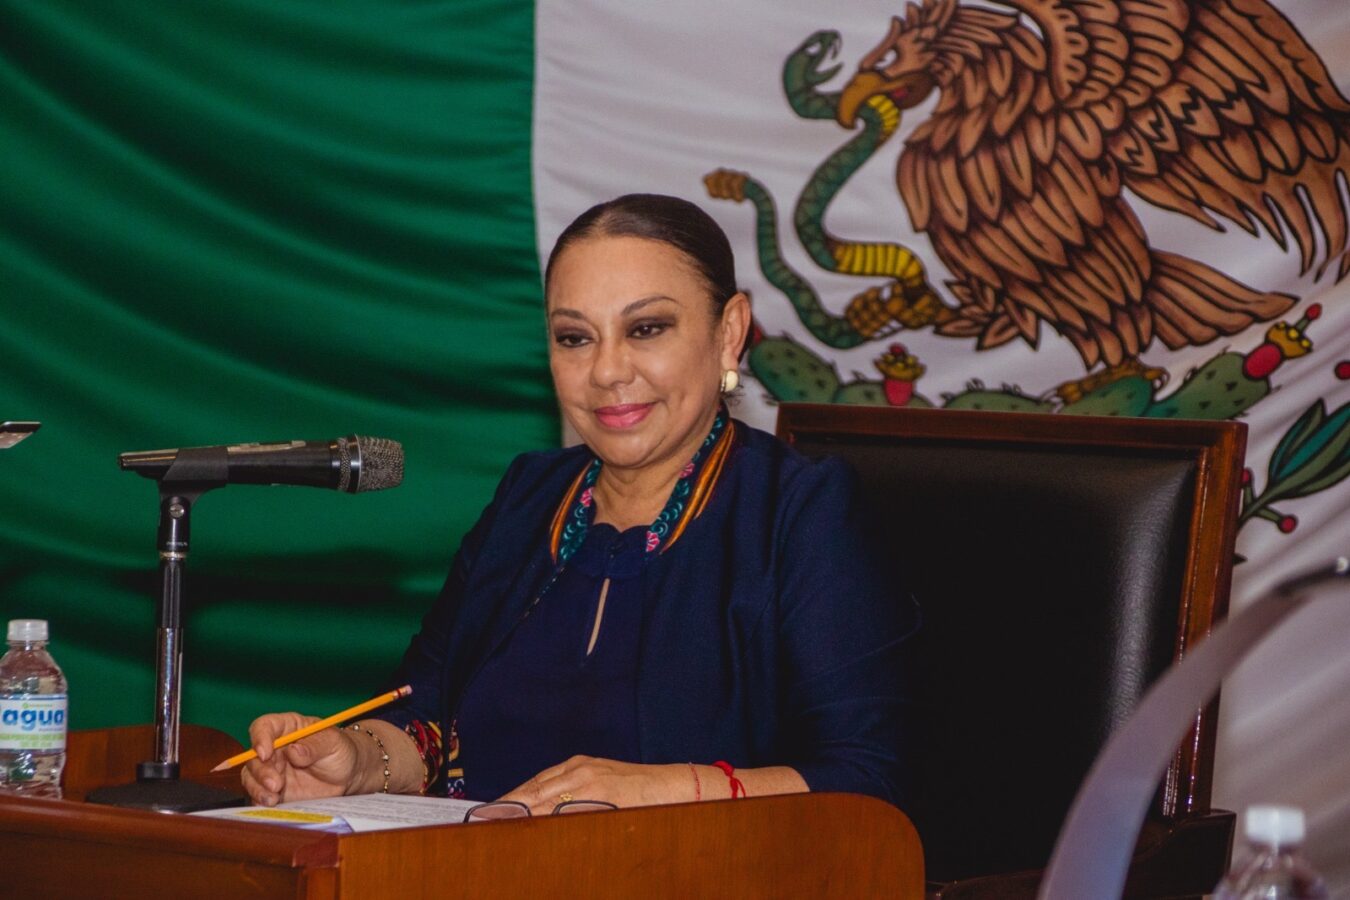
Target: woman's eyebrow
[627, 310]
[646, 301]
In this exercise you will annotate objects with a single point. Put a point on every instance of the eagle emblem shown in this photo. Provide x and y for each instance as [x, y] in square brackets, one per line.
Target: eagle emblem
[1215, 109]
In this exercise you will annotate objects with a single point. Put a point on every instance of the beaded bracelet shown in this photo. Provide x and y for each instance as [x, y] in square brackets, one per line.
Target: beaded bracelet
[698, 783]
[384, 754]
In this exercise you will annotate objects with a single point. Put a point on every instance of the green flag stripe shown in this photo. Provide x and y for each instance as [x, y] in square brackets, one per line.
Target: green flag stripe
[258, 221]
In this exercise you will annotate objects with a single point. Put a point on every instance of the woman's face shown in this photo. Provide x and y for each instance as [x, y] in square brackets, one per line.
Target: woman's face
[636, 349]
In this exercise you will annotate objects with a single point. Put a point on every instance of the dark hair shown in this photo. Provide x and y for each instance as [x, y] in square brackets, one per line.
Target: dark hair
[669, 220]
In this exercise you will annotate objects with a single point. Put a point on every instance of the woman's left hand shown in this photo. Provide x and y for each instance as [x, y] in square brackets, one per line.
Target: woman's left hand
[620, 783]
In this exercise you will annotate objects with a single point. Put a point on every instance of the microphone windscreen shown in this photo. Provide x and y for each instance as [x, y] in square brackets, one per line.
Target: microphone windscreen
[381, 463]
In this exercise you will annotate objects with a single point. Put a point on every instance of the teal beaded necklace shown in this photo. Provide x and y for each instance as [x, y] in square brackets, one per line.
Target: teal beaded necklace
[582, 512]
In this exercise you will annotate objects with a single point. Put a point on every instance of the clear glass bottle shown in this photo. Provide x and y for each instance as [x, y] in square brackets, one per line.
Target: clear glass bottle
[1271, 867]
[32, 713]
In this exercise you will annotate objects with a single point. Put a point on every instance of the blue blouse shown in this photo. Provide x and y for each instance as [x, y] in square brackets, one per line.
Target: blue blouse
[542, 698]
[764, 634]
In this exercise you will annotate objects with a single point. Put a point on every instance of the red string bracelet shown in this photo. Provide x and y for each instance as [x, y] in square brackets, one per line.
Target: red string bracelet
[737, 788]
[698, 784]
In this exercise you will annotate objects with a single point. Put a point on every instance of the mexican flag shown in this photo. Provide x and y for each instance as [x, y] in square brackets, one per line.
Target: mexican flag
[878, 176]
[228, 222]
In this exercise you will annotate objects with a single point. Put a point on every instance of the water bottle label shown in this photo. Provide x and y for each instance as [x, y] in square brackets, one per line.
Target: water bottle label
[33, 722]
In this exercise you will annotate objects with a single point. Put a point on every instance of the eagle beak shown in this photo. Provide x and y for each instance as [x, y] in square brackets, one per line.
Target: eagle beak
[855, 94]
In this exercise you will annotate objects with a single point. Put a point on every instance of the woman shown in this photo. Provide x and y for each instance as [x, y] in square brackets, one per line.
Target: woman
[680, 590]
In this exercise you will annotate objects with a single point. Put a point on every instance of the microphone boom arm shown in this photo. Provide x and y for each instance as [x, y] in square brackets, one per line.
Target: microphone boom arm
[350, 464]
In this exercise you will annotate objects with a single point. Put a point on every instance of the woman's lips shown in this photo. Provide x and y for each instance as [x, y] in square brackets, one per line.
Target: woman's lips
[623, 416]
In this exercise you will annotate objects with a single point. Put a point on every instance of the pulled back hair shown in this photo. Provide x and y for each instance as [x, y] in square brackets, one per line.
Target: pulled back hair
[670, 220]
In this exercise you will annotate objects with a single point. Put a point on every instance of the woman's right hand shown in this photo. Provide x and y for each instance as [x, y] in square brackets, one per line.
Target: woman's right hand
[321, 765]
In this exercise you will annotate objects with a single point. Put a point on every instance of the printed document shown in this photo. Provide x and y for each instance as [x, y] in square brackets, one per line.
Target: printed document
[364, 812]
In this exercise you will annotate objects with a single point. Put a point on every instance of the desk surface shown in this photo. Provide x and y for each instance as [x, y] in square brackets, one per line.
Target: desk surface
[790, 846]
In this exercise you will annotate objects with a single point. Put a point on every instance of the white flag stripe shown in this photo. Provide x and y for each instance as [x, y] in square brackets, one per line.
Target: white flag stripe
[652, 97]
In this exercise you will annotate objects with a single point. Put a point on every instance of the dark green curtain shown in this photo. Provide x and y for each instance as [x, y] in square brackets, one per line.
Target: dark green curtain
[258, 220]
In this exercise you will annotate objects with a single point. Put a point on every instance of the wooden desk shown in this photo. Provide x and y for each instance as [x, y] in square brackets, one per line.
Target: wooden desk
[824, 845]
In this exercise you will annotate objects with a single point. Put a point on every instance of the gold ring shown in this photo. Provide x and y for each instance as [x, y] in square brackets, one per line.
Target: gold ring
[565, 798]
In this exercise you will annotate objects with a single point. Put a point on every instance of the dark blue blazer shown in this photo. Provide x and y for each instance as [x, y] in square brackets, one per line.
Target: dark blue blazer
[767, 636]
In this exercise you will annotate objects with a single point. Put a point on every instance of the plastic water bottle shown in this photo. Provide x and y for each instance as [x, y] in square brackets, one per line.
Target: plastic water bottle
[32, 713]
[1272, 868]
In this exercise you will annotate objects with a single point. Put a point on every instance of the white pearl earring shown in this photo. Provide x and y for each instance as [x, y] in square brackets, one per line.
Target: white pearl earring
[730, 379]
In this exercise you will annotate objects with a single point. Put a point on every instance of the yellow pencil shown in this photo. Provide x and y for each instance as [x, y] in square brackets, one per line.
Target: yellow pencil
[373, 703]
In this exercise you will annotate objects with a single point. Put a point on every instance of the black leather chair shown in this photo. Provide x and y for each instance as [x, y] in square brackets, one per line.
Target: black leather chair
[1062, 563]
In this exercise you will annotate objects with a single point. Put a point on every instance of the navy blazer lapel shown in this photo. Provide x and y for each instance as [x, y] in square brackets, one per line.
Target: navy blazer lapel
[514, 588]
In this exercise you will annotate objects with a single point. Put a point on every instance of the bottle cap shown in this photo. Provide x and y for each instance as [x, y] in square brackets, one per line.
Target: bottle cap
[1274, 825]
[27, 630]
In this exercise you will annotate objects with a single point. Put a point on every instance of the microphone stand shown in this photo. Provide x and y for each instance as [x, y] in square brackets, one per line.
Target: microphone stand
[157, 785]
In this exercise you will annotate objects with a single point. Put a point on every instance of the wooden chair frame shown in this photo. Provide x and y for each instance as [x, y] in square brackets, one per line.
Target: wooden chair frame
[1217, 449]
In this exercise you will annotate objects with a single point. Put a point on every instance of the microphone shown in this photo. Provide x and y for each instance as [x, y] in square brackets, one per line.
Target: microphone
[352, 464]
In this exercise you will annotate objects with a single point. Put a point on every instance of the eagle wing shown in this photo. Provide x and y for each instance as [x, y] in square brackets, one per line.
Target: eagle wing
[1017, 176]
[1252, 128]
